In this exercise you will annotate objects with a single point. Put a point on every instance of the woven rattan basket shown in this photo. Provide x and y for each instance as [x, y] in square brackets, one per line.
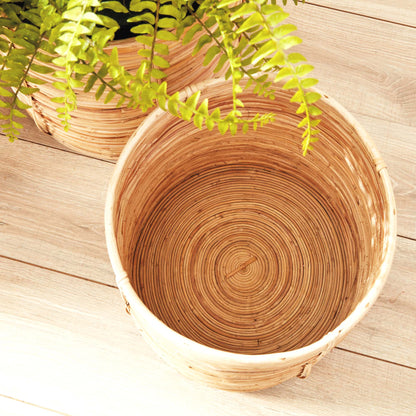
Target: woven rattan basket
[243, 262]
[102, 130]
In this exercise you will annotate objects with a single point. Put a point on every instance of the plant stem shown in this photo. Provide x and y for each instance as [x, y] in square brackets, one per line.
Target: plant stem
[25, 74]
[152, 51]
[231, 58]
[219, 44]
[298, 85]
[107, 84]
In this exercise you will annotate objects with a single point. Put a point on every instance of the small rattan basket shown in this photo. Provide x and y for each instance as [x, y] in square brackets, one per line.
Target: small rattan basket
[101, 130]
[243, 262]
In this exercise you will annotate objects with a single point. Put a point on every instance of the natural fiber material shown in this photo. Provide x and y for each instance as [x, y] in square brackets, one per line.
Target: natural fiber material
[242, 261]
[102, 130]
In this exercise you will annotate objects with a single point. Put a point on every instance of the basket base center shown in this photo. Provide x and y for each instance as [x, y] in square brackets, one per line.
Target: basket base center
[242, 267]
[232, 258]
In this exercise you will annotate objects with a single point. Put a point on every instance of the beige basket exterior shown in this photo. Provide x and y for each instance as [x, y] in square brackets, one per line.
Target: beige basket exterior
[190, 213]
[101, 130]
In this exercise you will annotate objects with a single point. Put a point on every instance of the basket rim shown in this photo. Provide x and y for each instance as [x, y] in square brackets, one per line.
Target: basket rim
[324, 344]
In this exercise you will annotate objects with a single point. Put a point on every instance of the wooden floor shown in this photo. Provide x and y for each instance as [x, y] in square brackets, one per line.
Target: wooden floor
[68, 347]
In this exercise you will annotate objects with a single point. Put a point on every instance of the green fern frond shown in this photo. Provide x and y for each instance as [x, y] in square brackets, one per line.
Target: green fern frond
[198, 112]
[249, 39]
[253, 39]
[77, 21]
[157, 22]
[20, 44]
[272, 41]
[294, 1]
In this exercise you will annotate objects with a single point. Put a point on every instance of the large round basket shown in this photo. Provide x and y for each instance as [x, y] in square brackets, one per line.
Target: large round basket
[101, 129]
[242, 261]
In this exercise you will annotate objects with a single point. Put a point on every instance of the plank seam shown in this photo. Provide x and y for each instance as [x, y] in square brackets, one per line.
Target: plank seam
[406, 238]
[65, 150]
[361, 15]
[58, 271]
[34, 405]
[115, 287]
[376, 358]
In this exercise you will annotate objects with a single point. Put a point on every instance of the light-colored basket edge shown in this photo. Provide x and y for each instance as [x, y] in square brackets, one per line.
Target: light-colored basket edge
[327, 342]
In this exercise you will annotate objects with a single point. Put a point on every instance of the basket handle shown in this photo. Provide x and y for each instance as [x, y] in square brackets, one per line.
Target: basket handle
[305, 370]
[123, 277]
[128, 308]
[36, 111]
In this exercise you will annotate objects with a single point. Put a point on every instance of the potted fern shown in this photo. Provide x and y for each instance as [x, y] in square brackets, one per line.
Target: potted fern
[61, 61]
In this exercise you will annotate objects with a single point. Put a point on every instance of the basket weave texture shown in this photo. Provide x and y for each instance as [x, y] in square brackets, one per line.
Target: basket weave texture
[242, 261]
[101, 130]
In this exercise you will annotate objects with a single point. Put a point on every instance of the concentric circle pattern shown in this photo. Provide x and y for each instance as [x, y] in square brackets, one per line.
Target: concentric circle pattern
[100, 128]
[243, 245]
[244, 259]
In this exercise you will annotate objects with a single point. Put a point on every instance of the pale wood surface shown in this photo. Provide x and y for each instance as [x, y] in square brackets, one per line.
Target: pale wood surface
[83, 345]
[13, 407]
[67, 236]
[367, 64]
[402, 11]
[369, 67]
[68, 347]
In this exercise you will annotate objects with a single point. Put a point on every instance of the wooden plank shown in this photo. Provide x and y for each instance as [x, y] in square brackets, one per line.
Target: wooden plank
[12, 407]
[52, 209]
[366, 64]
[374, 80]
[52, 218]
[395, 142]
[399, 156]
[344, 60]
[71, 347]
[31, 132]
[373, 77]
[397, 145]
[402, 12]
[56, 338]
[51, 214]
[388, 330]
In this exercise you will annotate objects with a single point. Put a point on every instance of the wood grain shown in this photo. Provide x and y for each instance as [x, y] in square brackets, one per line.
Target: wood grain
[402, 12]
[366, 64]
[30, 132]
[13, 407]
[374, 80]
[394, 140]
[397, 145]
[70, 346]
[52, 208]
[54, 218]
[388, 331]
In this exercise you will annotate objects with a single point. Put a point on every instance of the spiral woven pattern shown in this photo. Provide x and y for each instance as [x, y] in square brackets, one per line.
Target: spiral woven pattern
[241, 244]
[101, 130]
[233, 258]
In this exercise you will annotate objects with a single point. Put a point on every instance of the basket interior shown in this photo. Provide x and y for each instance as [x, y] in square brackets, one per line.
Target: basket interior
[242, 244]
